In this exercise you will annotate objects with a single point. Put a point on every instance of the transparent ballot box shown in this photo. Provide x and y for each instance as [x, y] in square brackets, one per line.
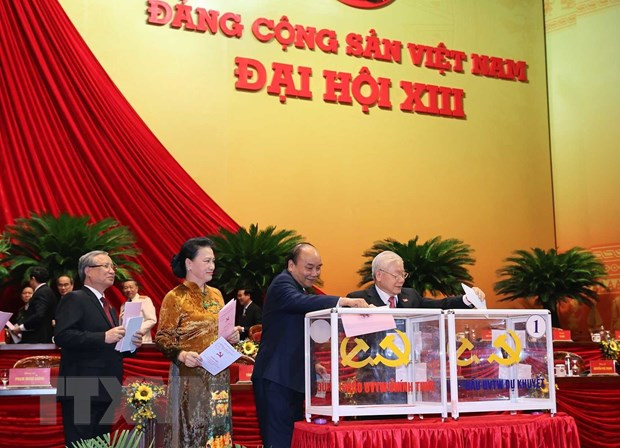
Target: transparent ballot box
[396, 367]
[500, 360]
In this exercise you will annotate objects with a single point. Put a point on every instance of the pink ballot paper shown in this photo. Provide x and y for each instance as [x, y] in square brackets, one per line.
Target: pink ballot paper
[4, 318]
[356, 324]
[226, 319]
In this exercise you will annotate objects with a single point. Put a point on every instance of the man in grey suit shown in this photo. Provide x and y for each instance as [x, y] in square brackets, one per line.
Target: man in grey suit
[91, 370]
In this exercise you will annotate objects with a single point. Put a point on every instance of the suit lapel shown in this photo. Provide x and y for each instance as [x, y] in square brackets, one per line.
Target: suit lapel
[97, 304]
[373, 296]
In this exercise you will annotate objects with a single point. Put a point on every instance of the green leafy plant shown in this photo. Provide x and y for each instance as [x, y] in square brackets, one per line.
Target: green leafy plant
[435, 266]
[58, 242]
[251, 258]
[5, 246]
[118, 439]
[551, 277]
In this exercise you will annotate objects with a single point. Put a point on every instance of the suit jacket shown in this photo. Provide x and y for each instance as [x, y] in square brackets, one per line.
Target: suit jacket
[281, 355]
[81, 324]
[409, 298]
[39, 316]
[253, 316]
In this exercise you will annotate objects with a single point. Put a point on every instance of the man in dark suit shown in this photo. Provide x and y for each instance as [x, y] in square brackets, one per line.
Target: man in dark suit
[248, 314]
[91, 369]
[388, 272]
[36, 328]
[278, 376]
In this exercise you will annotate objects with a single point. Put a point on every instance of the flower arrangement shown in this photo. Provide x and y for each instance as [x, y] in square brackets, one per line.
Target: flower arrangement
[610, 349]
[247, 347]
[141, 396]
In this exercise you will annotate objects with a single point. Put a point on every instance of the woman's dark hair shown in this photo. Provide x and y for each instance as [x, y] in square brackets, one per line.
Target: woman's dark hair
[189, 250]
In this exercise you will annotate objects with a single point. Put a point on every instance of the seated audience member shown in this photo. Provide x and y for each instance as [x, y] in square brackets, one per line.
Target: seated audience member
[248, 313]
[130, 291]
[36, 327]
[20, 315]
[25, 295]
[64, 284]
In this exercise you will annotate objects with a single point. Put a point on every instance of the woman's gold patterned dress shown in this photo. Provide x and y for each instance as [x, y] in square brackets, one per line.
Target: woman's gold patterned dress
[198, 408]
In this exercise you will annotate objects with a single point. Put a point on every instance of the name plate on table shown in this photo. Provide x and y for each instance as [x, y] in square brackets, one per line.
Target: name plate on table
[617, 335]
[561, 335]
[602, 367]
[245, 372]
[36, 377]
[486, 334]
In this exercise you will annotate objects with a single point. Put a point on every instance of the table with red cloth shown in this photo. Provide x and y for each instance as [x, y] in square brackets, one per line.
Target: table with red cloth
[480, 431]
[20, 416]
[594, 402]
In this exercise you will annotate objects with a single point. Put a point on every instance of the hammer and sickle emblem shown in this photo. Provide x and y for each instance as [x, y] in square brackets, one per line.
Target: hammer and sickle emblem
[465, 345]
[347, 358]
[402, 358]
[513, 354]
[362, 346]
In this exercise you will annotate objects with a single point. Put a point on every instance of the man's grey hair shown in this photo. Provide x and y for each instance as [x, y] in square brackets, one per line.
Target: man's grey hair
[383, 259]
[87, 260]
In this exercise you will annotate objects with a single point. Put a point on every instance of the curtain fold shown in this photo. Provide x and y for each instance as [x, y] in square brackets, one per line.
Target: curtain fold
[70, 142]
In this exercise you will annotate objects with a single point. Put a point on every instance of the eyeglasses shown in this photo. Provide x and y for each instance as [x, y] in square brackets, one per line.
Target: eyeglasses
[402, 275]
[104, 266]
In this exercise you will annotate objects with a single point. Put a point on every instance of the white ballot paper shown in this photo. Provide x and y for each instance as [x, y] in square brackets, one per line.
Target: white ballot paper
[131, 309]
[218, 356]
[226, 319]
[473, 297]
[4, 318]
[17, 338]
[132, 325]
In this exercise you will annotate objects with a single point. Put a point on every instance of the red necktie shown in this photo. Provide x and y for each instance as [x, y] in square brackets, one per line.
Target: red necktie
[106, 310]
[392, 302]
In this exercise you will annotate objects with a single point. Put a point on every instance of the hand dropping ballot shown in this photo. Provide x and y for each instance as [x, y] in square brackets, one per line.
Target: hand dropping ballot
[132, 322]
[474, 299]
[218, 356]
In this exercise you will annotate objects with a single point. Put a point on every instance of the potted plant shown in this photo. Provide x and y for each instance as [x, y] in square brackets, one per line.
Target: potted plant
[551, 277]
[5, 246]
[435, 266]
[251, 258]
[58, 242]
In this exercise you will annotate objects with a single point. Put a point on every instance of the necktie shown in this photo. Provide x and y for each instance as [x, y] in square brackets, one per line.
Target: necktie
[392, 302]
[106, 310]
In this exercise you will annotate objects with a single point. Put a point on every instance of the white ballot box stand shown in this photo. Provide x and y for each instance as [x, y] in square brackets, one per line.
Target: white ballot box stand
[500, 360]
[392, 371]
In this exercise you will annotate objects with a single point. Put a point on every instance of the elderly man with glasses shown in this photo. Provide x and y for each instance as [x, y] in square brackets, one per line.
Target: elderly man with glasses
[389, 276]
[388, 272]
[91, 370]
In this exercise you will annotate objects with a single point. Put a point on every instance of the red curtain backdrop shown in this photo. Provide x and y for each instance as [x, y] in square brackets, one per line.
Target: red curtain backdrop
[70, 142]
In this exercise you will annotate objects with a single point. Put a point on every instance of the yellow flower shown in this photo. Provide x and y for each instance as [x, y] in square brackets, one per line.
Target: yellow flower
[249, 348]
[144, 393]
[614, 346]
